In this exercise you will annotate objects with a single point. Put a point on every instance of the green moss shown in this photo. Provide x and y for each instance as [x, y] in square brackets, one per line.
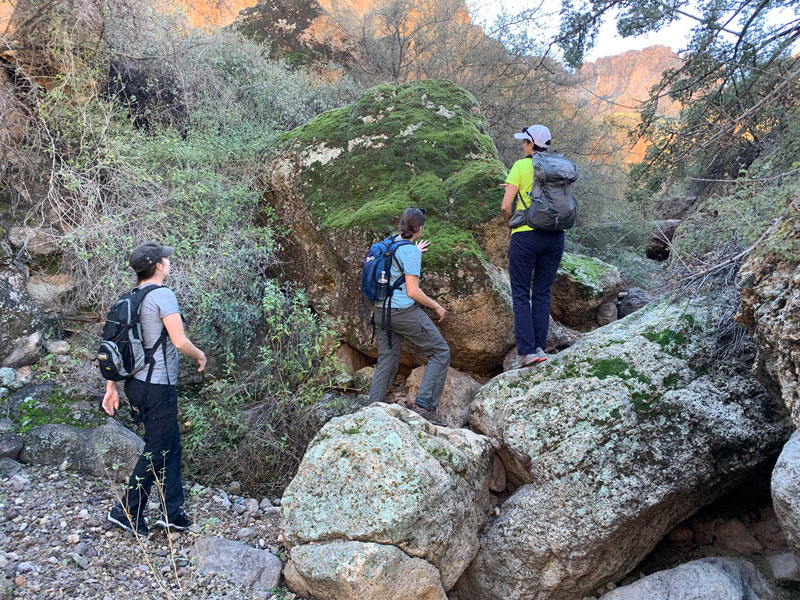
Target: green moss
[671, 381]
[586, 270]
[617, 367]
[58, 409]
[423, 144]
[671, 341]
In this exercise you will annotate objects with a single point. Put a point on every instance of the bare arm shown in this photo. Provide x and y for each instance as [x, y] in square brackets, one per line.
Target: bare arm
[417, 295]
[177, 336]
[111, 398]
[508, 200]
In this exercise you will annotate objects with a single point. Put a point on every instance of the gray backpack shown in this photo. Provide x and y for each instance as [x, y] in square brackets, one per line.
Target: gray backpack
[553, 206]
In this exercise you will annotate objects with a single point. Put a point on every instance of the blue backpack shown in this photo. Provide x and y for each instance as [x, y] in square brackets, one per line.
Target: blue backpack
[376, 273]
[377, 268]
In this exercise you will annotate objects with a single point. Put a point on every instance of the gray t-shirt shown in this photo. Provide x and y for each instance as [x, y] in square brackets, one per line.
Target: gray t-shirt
[155, 306]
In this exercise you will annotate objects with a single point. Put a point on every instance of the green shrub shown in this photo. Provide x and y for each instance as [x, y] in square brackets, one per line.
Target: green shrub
[118, 177]
[255, 429]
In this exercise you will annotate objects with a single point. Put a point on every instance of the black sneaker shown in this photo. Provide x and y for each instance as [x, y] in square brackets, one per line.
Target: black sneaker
[118, 517]
[179, 521]
[428, 415]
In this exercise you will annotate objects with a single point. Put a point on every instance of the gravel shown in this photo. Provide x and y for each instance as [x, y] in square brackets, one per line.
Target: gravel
[55, 542]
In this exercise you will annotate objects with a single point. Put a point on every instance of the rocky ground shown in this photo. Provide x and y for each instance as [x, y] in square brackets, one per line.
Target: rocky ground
[55, 541]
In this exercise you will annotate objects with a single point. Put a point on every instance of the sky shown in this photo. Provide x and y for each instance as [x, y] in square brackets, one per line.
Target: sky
[608, 42]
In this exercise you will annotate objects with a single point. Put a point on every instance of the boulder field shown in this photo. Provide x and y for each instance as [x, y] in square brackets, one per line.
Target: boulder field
[611, 444]
[340, 182]
[604, 450]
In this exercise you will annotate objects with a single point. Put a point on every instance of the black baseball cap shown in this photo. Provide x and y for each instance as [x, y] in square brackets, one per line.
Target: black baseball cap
[147, 254]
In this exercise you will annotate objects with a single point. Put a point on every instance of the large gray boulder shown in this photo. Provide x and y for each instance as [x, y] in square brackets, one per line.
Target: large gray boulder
[358, 570]
[386, 476]
[612, 443]
[20, 319]
[459, 390]
[108, 449]
[705, 579]
[239, 563]
[786, 491]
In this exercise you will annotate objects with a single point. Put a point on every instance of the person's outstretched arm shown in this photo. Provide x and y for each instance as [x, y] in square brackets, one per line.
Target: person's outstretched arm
[174, 325]
[417, 295]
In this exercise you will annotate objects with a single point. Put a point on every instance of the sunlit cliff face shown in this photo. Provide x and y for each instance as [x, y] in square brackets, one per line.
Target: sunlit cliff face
[219, 13]
[213, 13]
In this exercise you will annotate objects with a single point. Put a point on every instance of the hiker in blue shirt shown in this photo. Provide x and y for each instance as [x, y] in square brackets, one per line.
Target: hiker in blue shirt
[408, 321]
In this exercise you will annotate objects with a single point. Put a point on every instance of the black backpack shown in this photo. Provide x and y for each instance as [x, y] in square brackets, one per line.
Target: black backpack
[553, 206]
[122, 353]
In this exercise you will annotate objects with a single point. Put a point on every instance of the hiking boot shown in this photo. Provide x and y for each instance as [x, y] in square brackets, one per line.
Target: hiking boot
[179, 521]
[524, 360]
[541, 355]
[428, 415]
[119, 517]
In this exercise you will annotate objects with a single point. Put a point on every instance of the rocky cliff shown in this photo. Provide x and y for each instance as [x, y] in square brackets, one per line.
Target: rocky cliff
[614, 84]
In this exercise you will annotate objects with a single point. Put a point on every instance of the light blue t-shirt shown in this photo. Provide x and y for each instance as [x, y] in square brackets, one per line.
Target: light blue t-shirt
[407, 261]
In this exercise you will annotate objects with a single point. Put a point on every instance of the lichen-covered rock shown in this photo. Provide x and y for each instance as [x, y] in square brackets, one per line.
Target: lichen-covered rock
[300, 31]
[20, 319]
[705, 579]
[107, 450]
[10, 445]
[770, 309]
[244, 565]
[786, 490]
[459, 390]
[359, 570]
[46, 290]
[342, 181]
[387, 476]
[35, 241]
[614, 442]
[581, 286]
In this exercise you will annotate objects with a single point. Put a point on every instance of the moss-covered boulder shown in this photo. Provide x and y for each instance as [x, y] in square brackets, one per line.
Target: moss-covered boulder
[582, 285]
[342, 180]
[613, 443]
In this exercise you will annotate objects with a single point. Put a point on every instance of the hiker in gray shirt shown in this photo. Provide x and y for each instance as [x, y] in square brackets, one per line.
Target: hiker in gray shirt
[153, 393]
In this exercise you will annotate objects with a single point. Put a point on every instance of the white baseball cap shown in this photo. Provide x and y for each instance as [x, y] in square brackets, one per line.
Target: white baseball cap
[538, 134]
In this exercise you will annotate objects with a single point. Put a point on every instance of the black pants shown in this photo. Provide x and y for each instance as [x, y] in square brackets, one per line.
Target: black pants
[161, 460]
[538, 252]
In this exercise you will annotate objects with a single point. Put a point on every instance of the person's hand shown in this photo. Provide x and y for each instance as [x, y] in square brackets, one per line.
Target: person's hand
[423, 245]
[111, 400]
[503, 185]
[201, 363]
[440, 312]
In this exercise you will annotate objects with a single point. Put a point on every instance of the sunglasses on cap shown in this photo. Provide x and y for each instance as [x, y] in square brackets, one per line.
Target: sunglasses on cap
[422, 210]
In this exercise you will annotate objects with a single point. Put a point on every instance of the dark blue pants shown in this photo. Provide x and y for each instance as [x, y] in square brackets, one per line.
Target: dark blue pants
[160, 462]
[537, 252]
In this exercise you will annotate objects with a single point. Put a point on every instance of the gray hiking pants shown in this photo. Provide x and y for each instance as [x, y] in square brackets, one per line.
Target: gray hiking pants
[414, 325]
